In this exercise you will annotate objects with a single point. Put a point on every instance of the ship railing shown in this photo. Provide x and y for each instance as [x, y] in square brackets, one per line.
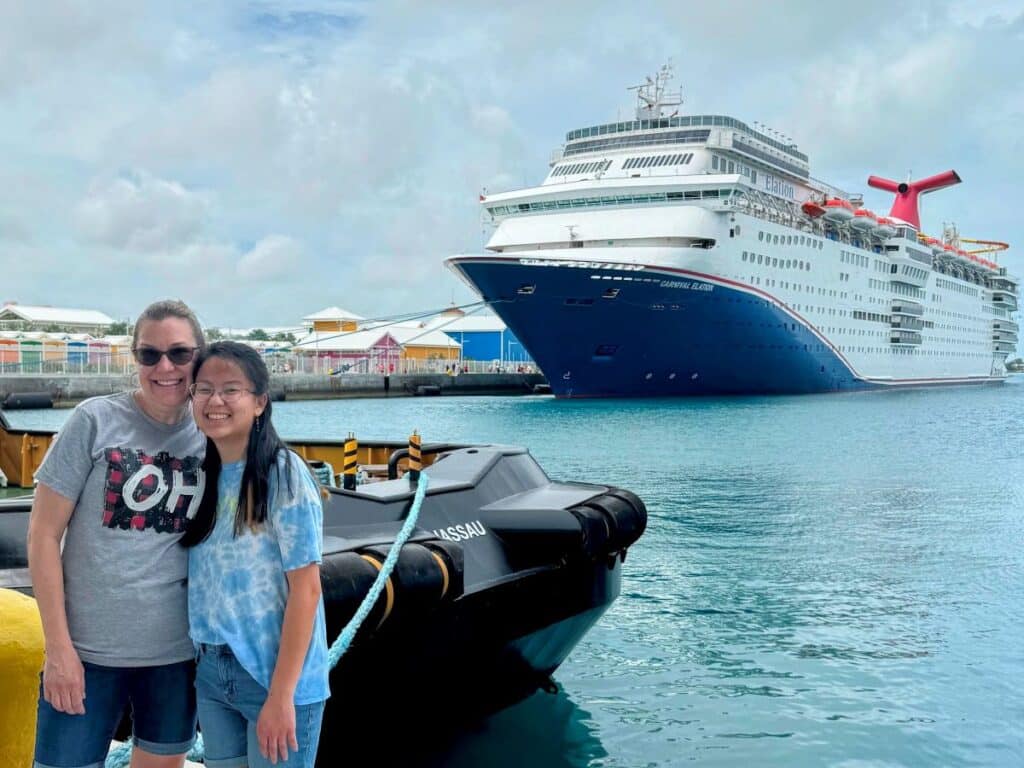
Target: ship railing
[905, 307]
[905, 338]
[907, 323]
[1003, 299]
[1003, 324]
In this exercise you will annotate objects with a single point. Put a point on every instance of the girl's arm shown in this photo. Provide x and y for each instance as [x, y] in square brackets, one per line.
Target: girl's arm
[275, 729]
[63, 674]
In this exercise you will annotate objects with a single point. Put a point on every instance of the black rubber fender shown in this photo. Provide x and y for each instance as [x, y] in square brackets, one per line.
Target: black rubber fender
[596, 531]
[451, 554]
[611, 522]
[345, 578]
[18, 400]
[630, 515]
[421, 582]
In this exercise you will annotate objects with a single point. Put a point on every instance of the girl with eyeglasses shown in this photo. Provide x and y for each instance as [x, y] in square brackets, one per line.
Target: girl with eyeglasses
[256, 614]
[119, 485]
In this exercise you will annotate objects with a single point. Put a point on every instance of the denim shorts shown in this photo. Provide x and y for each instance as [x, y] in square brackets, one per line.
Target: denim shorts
[163, 708]
[229, 702]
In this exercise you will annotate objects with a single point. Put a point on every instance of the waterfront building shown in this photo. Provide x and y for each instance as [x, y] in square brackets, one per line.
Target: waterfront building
[481, 337]
[420, 343]
[354, 351]
[333, 319]
[27, 317]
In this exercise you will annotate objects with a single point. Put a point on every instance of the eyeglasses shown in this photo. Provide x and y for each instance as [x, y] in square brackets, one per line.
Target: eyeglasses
[229, 394]
[150, 356]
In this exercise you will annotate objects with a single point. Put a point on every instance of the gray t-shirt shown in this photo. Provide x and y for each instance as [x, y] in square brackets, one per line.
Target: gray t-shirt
[135, 483]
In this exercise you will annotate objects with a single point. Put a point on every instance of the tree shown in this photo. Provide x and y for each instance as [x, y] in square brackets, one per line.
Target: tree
[214, 334]
[289, 337]
[258, 334]
[118, 329]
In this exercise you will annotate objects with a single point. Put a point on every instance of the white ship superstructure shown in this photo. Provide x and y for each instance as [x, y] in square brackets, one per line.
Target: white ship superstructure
[694, 254]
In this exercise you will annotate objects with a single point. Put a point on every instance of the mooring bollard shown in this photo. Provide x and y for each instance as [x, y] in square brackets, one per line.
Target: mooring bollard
[415, 457]
[21, 659]
[351, 465]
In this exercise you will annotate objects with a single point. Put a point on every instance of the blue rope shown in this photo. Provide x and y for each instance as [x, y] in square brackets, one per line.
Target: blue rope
[120, 756]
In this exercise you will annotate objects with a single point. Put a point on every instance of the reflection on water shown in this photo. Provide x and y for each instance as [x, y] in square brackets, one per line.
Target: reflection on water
[546, 730]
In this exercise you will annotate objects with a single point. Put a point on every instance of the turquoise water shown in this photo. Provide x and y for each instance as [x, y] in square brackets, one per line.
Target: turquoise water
[826, 580]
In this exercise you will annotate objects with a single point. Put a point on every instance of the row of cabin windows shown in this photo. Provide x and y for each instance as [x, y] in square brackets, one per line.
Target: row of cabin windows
[791, 240]
[771, 261]
[566, 170]
[733, 166]
[900, 288]
[951, 286]
[847, 257]
[656, 161]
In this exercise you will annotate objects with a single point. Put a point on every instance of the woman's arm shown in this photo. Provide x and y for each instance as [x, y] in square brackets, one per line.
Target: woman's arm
[275, 729]
[63, 674]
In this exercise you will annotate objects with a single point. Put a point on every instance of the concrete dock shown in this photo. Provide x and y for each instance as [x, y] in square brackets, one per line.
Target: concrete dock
[67, 389]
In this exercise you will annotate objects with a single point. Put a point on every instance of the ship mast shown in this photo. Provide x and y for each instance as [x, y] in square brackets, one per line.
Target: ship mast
[652, 97]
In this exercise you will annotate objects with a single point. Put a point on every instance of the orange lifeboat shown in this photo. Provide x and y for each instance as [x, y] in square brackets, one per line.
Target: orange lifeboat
[812, 209]
[838, 210]
[864, 220]
[885, 228]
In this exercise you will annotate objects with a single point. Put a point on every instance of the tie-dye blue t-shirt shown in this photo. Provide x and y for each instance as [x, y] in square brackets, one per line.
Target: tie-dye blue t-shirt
[238, 588]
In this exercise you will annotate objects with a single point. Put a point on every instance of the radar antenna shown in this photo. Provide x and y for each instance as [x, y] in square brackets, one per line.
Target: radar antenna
[652, 97]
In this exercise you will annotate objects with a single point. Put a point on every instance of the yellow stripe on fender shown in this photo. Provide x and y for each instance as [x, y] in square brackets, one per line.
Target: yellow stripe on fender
[444, 573]
[389, 589]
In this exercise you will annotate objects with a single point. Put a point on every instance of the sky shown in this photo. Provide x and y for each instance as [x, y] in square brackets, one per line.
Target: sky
[264, 160]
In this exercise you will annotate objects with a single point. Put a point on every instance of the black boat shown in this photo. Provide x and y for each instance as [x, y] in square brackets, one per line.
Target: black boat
[504, 573]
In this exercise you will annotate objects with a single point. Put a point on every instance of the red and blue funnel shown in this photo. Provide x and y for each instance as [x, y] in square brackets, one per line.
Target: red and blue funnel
[907, 192]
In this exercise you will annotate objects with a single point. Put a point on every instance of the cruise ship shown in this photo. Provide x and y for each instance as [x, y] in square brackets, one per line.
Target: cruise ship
[695, 255]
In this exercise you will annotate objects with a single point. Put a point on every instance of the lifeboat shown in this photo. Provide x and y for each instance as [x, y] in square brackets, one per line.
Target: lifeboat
[864, 220]
[838, 210]
[884, 228]
[934, 243]
[812, 209]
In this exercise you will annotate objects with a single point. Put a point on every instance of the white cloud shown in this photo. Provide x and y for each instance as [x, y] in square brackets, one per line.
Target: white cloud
[273, 256]
[140, 212]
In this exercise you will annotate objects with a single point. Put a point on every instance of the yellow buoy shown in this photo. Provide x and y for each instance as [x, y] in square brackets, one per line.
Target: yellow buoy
[21, 659]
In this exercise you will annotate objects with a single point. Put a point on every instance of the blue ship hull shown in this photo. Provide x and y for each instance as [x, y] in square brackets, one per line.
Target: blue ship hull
[666, 333]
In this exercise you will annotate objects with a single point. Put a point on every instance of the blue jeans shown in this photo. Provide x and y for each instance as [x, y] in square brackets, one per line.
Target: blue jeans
[229, 702]
[163, 706]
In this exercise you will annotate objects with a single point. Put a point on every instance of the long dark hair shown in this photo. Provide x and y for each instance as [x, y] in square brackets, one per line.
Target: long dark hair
[261, 455]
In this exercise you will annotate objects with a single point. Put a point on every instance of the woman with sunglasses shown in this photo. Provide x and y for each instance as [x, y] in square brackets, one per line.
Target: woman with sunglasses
[119, 485]
[256, 613]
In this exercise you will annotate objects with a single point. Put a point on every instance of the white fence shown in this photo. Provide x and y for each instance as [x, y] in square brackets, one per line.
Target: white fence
[278, 363]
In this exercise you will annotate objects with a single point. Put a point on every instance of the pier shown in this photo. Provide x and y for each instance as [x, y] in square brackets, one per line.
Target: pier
[68, 388]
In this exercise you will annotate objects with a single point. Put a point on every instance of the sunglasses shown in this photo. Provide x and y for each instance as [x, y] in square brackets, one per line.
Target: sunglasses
[150, 356]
